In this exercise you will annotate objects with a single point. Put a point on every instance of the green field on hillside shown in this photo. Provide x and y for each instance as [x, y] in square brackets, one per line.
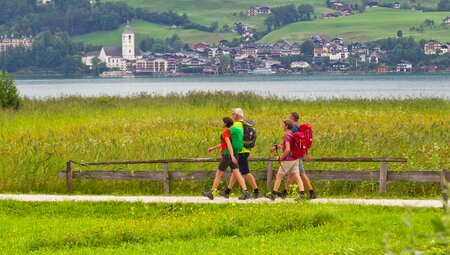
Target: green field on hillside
[143, 29]
[42, 136]
[295, 228]
[207, 11]
[377, 23]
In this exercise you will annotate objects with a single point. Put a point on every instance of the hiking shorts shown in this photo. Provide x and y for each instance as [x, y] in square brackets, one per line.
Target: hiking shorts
[301, 168]
[226, 162]
[243, 163]
[290, 167]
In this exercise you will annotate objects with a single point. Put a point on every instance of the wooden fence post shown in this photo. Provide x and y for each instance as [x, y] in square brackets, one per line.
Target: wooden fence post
[166, 180]
[69, 176]
[383, 177]
[445, 180]
[269, 175]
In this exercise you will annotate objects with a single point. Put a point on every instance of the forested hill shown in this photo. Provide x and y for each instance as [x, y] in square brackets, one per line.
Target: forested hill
[28, 18]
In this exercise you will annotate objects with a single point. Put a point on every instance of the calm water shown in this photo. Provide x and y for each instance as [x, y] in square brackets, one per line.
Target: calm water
[325, 86]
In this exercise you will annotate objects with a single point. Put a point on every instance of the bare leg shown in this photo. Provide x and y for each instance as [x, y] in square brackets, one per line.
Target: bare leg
[306, 181]
[232, 181]
[217, 179]
[299, 181]
[239, 178]
[277, 184]
[289, 180]
[251, 179]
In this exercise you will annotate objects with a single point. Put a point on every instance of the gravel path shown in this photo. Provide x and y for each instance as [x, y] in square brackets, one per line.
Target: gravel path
[218, 200]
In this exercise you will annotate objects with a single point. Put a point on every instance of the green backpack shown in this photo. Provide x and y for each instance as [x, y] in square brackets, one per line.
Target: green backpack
[237, 141]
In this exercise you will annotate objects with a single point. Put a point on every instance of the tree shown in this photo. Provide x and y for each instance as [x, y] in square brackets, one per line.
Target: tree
[306, 11]
[225, 61]
[71, 66]
[444, 6]
[399, 33]
[270, 22]
[307, 48]
[9, 96]
[225, 28]
[147, 44]
[213, 27]
[285, 15]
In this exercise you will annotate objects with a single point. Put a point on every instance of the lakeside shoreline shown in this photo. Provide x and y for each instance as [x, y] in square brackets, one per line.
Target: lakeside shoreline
[220, 76]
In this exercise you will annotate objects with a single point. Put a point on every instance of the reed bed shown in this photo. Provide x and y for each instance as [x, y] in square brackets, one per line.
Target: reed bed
[37, 140]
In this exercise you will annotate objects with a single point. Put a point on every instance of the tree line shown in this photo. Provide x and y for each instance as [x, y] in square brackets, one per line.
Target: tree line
[26, 17]
[283, 15]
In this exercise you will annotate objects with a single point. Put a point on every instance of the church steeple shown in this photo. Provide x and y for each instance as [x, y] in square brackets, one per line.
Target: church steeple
[128, 49]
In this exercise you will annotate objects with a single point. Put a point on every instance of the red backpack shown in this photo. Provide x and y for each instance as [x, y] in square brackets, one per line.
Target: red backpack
[306, 129]
[299, 145]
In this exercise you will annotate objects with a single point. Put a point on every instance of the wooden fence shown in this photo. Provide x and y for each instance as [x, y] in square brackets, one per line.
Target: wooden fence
[383, 176]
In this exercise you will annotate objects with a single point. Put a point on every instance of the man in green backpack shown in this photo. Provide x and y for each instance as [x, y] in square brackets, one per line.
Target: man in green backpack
[243, 155]
[228, 159]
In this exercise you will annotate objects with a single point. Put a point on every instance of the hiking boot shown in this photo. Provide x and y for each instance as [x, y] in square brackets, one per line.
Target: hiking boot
[300, 198]
[245, 196]
[208, 194]
[256, 195]
[281, 195]
[223, 194]
[270, 196]
[312, 195]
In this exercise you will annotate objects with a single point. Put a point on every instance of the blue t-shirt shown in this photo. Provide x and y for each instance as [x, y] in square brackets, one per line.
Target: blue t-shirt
[295, 128]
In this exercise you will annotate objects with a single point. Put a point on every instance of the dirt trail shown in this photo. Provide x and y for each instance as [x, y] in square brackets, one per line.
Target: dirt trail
[218, 200]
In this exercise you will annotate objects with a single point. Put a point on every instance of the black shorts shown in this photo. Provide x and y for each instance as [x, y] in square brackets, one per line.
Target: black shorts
[226, 162]
[243, 163]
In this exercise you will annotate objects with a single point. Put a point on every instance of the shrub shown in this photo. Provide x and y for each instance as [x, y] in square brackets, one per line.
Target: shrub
[9, 96]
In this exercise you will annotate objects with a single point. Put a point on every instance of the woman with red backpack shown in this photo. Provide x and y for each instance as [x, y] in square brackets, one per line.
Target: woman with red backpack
[288, 164]
[294, 116]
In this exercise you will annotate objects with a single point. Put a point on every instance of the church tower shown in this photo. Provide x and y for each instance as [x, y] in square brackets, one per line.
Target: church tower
[128, 43]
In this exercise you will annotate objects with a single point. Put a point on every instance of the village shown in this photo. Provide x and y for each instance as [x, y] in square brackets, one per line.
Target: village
[314, 55]
[252, 58]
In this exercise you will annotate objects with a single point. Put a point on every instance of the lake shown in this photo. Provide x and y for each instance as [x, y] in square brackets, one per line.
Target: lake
[293, 86]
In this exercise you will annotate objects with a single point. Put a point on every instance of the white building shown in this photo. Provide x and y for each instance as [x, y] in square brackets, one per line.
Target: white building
[300, 64]
[118, 57]
[128, 50]
[11, 42]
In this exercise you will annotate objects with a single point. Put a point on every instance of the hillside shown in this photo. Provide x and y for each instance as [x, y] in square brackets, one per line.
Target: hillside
[207, 11]
[376, 23]
[143, 29]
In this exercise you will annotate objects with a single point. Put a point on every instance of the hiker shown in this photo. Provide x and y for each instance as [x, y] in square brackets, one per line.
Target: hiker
[294, 116]
[228, 160]
[288, 165]
[244, 154]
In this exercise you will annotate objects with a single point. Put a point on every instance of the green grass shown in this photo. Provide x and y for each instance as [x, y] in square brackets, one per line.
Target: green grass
[39, 138]
[143, 29]
[377, 23]
[207, 11]
[137, 228]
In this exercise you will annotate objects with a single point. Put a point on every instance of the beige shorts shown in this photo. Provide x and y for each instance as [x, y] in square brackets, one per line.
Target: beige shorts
[290, 167]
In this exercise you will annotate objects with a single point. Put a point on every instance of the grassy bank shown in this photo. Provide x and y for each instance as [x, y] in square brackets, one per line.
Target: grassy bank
[135, 228]
[39, 138]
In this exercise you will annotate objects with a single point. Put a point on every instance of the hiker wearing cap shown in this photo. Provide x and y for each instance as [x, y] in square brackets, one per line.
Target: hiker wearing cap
[228, 160]
[294, 116]
[288, 164]
[244, 154]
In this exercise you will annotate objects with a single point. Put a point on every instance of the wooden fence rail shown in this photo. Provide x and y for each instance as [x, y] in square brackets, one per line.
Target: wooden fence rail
[382, 176]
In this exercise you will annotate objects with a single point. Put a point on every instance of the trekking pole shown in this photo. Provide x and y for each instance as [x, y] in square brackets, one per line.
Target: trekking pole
[282, 168]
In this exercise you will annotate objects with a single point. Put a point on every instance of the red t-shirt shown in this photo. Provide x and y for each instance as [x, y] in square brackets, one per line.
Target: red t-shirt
[290, 139]
[223, 144]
